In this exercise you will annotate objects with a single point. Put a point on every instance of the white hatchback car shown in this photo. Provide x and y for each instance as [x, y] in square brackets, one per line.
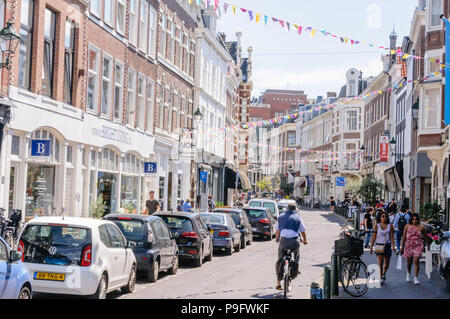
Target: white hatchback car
[77, 256]
[268, 203]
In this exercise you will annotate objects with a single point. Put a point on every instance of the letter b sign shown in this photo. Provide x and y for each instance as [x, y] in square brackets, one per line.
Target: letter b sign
[40, 148]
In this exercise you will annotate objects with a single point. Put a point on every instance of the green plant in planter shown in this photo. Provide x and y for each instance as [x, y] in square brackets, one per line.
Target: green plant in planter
[432, 211]
[97, 208]
[128, 206]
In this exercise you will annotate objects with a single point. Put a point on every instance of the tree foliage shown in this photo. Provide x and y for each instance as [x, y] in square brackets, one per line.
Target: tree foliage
[432, 211]
[370, 189]
[97, 208]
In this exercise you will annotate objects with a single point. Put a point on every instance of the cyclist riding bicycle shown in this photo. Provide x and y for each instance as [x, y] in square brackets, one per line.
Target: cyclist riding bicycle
[288, 230]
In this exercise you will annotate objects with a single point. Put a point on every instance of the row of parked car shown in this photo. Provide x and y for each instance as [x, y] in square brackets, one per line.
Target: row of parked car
[91, 257]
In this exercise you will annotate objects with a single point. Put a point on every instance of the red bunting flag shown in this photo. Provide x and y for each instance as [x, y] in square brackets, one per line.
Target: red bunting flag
[216, 5]
[244, 10]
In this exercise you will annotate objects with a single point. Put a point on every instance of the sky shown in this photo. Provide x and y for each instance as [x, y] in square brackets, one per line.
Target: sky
[286, 60]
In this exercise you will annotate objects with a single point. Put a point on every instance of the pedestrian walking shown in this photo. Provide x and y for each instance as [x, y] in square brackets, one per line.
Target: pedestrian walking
[412, 246]
[180, 205]
[382, 241]
[368, 225]
[332, 204]
[186, 207]
[392, 207]
[211, 204]
[400, 222]
[152, 205]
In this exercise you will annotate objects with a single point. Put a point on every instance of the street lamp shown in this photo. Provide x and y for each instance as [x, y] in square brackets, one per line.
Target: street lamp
[396, 155]
[9, 41]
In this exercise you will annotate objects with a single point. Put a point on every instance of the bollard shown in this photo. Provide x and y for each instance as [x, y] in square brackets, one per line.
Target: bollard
[316, 291]
[326, 282]
[334, 276]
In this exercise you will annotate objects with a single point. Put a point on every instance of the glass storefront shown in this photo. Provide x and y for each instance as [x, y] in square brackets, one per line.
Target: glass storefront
[107, 187]
[40, 190]
[129, 193]
[12, 180]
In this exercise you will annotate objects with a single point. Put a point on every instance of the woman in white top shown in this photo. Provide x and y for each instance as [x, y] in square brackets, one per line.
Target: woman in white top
[383, 238]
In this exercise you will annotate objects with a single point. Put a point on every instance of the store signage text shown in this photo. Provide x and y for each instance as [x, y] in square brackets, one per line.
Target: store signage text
[112, 134]
[150, 167]
[384, 148]
[40, 148]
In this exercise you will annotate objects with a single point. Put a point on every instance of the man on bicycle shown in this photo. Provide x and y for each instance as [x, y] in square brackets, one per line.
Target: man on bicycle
[288, 230]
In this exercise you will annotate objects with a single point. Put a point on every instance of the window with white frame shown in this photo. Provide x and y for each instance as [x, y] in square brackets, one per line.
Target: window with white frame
[131, 97]
[430, 110]
[133, 22]
[108, 12]
[120, 16]
[140, 115]
[150, 105]
[171, 39]
[106, 84]
[92, 85]
[118, 90]
[95, 7]
[436, 11]
[143, 26]
[162, 40]
[152, 32]
[352, 120]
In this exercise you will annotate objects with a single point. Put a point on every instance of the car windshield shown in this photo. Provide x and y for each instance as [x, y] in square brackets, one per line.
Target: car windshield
[255, 204]
[235, 216]
[54, 244]
[253, 213]
[178, 223]
[270, 206]
[133, 230]
[213, 219]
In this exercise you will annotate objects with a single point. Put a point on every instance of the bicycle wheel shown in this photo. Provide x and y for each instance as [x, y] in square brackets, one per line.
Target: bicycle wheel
[354, 277]
[286, 279]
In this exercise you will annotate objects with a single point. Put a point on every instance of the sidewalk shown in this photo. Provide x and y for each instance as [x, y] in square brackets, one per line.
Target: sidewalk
[396, 286]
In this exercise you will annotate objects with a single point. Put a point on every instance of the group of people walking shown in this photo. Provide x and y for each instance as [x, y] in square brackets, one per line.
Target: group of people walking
[395, 230]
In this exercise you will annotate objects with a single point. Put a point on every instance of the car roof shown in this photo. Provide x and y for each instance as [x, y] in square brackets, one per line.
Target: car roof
[256, 208]
[262, 200]
[132, 216]
[72, 221]
[230, 210]
[176, 214]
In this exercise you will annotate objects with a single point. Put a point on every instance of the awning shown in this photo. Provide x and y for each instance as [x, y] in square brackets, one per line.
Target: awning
[245, 182]
[390, 179]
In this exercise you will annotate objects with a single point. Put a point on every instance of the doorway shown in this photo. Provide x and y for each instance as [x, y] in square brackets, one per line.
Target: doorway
[107, 187]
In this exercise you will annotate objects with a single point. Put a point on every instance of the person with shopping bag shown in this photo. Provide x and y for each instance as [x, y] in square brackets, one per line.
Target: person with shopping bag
[383, 243]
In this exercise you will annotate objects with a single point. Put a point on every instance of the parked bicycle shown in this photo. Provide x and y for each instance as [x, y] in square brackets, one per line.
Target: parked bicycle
[353, 273]
[10, 228]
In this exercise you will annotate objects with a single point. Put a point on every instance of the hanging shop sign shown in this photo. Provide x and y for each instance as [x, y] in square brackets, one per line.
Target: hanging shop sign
[40, 148]
[384, 149]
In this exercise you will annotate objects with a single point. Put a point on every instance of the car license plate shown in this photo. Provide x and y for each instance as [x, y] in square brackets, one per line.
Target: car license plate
[49, 276]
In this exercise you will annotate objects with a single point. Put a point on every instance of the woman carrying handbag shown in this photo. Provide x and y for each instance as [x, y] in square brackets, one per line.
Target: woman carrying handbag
[383, 243]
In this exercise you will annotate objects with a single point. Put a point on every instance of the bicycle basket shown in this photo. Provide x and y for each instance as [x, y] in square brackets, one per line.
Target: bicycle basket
[349, 246]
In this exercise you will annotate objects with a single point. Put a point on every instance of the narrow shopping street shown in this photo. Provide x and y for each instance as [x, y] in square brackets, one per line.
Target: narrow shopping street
[250, 273]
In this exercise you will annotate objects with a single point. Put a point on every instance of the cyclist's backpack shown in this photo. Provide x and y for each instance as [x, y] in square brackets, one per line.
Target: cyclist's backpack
[402, 222]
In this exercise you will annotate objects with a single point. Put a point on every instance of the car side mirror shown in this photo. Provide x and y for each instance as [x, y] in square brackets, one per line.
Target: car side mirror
[14, 256]
[131, 244]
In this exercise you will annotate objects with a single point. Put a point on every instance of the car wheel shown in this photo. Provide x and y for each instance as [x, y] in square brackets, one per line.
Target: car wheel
[244, 243]
[24, 293]
[173, 270]
[199, 261]
[210, 256]
[152, 274]
[229, 251]
[101, 289]
[129, 288]
[237, 248]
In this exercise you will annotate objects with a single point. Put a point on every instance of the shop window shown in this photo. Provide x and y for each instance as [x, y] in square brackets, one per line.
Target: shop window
[40, 190]
[69, 155]
[430, 109]
[15, 145]
[26, 35]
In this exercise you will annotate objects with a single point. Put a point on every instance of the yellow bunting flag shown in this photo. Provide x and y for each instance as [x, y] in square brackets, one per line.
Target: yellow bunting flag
[313, 32]
[258, 16]
[234, 10]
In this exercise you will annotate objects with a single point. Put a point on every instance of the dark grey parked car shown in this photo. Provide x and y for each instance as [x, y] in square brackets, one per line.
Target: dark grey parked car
[262, 221]
[226, 235]
[242, 223]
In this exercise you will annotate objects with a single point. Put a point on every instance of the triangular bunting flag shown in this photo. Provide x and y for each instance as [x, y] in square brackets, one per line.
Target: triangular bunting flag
[258, 16]
[234, 10]
[250, 15]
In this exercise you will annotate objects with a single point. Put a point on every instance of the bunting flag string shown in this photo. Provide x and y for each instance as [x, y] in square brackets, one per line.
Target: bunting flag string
[285, 24]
